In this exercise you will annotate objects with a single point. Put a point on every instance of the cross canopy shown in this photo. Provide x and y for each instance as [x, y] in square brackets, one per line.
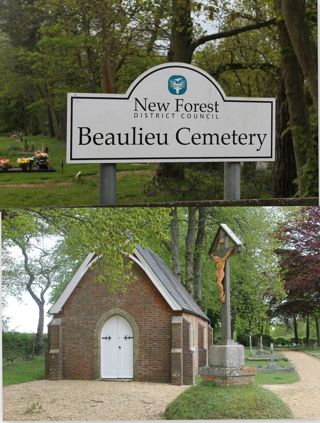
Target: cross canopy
[224, 240]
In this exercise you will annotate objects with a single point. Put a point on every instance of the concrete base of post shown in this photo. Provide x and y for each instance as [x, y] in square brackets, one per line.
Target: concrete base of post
[228, 377]
[229, 355]
[226, 366]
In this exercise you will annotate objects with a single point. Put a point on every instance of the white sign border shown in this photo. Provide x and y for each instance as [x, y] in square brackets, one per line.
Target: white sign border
[136, 82]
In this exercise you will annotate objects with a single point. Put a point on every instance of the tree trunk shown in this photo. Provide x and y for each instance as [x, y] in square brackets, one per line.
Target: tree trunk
[197, 283]
[155, 28]
[294, 15]
[308, 330]
[180, 51]
[50, 124]
[106, 65]
[295, 328]
[54, 117]
[299, 118]
[249, 170]
[316, 319]
[181, 36]
[107, 75]
[175, 256]
[190, 238]
[90, 66]
[285, 171]
[39, 334]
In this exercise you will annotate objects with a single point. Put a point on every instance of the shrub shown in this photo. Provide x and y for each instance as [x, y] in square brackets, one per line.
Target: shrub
[243, 339]
[19, 345]
[281, 341]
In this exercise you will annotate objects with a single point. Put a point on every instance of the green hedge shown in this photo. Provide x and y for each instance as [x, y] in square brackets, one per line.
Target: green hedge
[244, 340]
[19, 345]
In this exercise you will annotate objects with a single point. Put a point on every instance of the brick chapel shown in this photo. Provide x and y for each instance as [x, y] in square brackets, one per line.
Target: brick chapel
[155, 332]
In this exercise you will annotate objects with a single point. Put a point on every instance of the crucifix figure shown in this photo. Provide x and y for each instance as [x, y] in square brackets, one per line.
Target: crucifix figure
[221, 263]
[224, 245]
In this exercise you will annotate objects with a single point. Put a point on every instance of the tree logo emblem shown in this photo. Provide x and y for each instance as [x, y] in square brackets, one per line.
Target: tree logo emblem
[177, 84]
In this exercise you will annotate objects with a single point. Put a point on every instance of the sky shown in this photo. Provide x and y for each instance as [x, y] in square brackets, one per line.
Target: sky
[24, 315]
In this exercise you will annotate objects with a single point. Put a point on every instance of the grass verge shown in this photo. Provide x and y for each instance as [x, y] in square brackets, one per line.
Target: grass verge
[20, 371]
[209, 401]
[276, 378]
[313, 353]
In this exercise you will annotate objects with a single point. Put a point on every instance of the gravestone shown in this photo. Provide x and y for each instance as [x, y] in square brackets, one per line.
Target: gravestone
[250, 344]
[260, 347]
[226, 359]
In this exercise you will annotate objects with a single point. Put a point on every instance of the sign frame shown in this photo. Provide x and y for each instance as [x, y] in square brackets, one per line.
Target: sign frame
[176, 68]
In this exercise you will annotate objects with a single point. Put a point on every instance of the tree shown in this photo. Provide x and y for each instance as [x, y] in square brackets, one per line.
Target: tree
[300, 263]
[33, 262]
[111, 233]
[185, 40]
[304, 142]
[295, 17]
[255, 278]
[255, 275]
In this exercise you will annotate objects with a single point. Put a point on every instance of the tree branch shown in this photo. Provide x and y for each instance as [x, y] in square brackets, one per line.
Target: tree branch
[243, 66]
[225, 34]
[29, 273]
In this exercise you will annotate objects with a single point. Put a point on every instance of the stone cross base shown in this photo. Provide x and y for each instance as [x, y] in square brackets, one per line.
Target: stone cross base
[227, 376]
[226, 366]
[226, 355]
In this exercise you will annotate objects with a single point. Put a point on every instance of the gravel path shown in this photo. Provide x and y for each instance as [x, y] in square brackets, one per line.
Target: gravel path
[94, 400]
[87, 400]
[302, 397]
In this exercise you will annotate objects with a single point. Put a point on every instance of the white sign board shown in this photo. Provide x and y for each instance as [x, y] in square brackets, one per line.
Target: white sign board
[172, 113]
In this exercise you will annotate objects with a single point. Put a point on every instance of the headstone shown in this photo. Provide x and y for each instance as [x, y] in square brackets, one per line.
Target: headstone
[250, 344]
[260, 346]
[272, 352]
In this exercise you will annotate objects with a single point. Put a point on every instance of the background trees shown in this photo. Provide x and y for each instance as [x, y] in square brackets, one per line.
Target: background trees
[300, 263]
[265, 286]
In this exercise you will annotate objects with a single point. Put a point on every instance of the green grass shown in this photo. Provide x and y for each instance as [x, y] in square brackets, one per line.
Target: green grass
[60, 188]
[23, 371]
[209, 401]
[313, 351]
[280, 362]
[275, 378]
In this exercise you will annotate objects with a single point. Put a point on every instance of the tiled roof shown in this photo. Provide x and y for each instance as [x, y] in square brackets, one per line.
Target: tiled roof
[169, 281]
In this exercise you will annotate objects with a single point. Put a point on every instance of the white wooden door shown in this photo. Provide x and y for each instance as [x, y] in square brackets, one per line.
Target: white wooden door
[116, 349]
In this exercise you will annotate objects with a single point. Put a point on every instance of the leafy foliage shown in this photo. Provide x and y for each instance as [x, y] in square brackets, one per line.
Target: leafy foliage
[300, 262]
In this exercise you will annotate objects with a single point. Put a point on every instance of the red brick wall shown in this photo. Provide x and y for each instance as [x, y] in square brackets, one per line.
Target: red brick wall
[188, 355]
[202, 352]
[89, 301]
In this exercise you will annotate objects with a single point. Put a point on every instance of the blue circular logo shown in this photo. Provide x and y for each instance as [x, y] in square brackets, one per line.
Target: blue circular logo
[177, 84]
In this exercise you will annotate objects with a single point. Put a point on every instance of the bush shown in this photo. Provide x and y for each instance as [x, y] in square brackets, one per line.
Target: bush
[243, 339]
[293, 341]
[312, 341]
[281, 341]
[19, 345]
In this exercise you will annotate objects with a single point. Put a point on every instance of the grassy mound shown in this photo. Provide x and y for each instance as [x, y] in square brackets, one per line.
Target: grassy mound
[209, 401]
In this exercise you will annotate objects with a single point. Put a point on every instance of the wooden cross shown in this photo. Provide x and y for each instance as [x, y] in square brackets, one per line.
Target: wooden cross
[224, 245]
